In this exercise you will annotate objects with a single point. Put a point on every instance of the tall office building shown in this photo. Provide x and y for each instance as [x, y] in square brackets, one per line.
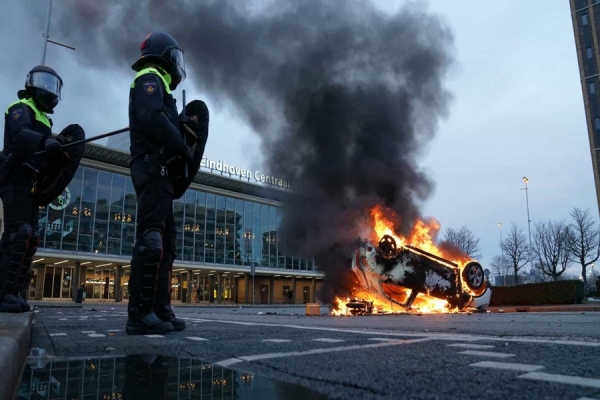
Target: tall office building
[586, 26]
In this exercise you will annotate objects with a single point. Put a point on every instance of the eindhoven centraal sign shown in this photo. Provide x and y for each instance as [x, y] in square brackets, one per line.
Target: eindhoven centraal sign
[221, 166]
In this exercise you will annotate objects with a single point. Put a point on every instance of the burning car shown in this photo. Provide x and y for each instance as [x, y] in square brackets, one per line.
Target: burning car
[395, 278]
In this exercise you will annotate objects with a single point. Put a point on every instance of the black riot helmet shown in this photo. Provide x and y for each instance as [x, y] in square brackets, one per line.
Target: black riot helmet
[162, 49]
[44, 86]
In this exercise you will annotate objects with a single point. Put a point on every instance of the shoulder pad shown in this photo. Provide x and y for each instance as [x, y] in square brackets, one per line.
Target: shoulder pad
[19, 111]
[150, 83]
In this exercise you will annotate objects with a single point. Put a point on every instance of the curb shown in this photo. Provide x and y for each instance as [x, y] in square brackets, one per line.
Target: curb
[15, 336]
[54, 305]
[516, 309]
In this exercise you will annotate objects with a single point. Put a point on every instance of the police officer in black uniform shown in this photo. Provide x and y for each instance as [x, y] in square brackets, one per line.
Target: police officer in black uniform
[164, 145]
[27, 129]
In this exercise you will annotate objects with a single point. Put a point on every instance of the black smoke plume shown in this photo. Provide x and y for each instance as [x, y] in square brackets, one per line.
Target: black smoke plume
[343, 96]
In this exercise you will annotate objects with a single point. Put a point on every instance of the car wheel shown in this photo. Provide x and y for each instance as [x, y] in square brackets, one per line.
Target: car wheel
[473, 275]
[387, 245]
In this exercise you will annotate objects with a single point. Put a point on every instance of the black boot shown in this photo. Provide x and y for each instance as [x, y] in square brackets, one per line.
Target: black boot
[165, 313]
[162, 307]
[11, 260]
[141, 322]
[21, 294]
[141, 318]
[25, 275]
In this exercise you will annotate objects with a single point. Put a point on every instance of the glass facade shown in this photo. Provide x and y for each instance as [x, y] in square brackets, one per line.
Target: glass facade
[96, 214]
[132, 377]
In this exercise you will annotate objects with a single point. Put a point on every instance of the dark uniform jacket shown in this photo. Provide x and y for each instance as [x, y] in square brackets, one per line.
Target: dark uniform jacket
[153, 118]
[20, 115]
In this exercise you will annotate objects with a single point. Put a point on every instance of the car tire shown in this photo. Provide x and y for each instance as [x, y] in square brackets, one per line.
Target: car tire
[473, 277]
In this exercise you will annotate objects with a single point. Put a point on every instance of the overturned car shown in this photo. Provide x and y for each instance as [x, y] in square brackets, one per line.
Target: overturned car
[392, 278]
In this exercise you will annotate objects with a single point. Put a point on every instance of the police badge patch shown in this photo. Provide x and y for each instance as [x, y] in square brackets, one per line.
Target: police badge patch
[150, 87]
[16, 114]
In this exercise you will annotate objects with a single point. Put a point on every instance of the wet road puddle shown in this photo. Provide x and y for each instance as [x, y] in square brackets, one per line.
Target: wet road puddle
[147, 377]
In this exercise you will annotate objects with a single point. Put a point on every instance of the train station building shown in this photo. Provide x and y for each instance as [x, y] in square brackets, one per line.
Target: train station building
[227, 243]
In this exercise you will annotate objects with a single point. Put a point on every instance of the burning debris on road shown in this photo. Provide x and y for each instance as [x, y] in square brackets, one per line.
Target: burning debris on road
[400, 275]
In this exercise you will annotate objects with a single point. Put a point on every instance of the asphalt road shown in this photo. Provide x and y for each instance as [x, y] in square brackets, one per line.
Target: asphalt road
[491, 356]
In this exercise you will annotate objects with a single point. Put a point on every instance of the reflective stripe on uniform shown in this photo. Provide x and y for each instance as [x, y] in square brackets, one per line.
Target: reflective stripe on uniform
[150, 70]
[40, 116]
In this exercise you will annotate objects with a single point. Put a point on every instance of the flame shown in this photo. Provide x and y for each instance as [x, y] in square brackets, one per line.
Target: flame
[423, 236]
[423, 304]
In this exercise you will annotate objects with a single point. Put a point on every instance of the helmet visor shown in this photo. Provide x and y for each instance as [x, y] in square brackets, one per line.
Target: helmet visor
[176, 58]
[45, 81]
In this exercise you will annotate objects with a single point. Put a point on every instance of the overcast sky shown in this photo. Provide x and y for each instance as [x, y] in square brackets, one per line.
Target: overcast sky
[517, 111]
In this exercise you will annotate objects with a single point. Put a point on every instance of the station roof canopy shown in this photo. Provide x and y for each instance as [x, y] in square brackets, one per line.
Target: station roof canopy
[112, 156]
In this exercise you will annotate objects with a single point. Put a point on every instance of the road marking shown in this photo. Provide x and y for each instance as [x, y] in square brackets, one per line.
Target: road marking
[587, 398]
[486, 354]
[195, 338]
[566, 379]
[88, 331]
[276, 340]
[547, 341]
[379, 339]
[326, 340]
[154, 336]
[435, 336]
[235, 360]
[114, 330]
[471, 346]
[508, 366]
[58, 334]
[63, 319]
[96, 335]
[194, 319]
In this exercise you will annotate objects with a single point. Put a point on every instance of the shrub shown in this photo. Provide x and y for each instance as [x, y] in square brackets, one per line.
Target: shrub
[556, 292]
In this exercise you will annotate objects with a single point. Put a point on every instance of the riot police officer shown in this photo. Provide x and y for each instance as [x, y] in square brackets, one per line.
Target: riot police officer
[27, 179]
[164, 146]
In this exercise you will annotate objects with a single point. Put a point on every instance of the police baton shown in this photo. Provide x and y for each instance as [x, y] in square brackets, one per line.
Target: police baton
[183, 112]
[89, 139]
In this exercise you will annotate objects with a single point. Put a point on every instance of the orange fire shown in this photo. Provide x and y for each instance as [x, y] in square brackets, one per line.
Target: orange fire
[422, 236]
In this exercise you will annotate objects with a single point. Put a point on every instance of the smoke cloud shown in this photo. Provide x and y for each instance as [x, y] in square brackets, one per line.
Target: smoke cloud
[344, 97]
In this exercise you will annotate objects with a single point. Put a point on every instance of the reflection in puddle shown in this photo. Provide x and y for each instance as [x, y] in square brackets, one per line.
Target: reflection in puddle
[148, 377]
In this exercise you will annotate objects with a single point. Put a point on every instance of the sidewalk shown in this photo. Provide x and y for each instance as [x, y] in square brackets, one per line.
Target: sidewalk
[586, 307]
[15, 335]
[89, 303]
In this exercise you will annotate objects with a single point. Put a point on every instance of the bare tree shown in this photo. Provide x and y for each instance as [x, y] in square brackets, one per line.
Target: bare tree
[464, 240]
[539, 275]
[501, 267]
[585, 240]
[551, 247]
[515, 249]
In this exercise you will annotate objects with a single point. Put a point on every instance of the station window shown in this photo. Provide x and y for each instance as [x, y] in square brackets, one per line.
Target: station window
[589, 52]
[584, 19]
[592, 88]
[597, 123]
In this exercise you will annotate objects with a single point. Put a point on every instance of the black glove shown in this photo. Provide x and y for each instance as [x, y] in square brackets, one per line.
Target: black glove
[71, 132]
[52, 145]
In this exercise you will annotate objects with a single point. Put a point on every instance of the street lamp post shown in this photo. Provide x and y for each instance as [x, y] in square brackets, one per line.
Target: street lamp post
[502, 255]
[528, 221]
[501, 249]
[47, 35]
